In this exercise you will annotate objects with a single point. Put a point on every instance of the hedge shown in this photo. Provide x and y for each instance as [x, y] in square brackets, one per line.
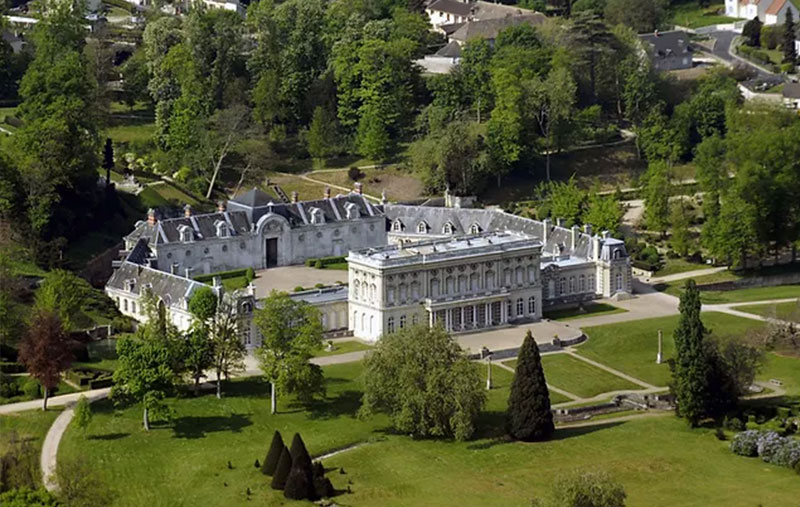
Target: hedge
[10, 367]
[325, 261]
[95, 379]
[13, 121]
[224, 275]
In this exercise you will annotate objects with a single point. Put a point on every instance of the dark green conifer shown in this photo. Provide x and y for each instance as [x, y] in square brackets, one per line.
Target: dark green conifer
[298, 484]
[273, 455]
[529, 415]
[301, 459]
[282, 470]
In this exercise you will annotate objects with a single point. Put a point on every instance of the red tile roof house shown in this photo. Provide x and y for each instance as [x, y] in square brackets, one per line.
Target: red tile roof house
[770, 12]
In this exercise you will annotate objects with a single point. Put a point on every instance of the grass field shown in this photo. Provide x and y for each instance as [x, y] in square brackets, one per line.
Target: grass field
[581, 378]
[589, 310]
[784, 311]
[400, 184]
[343, 347]
[30, 426]
[631, 347]
[692, 15]
[674, 266]
[731, 296]
[131, 132]
[185, 462]
[783, 368]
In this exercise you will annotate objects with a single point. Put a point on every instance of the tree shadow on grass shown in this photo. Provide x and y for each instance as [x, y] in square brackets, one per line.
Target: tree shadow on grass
[567, 432]
[198, 427]
[108, 436]
[345, 403]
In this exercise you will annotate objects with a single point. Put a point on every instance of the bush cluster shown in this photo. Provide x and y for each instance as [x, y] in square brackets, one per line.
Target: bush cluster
[293, 471]
[769, 446]
[324, 261]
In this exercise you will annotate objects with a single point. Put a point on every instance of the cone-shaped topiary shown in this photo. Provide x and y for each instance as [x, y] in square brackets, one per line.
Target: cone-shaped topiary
[529, 415]
[282, 470]
[298, 484]
[273, 455]
[301, 459]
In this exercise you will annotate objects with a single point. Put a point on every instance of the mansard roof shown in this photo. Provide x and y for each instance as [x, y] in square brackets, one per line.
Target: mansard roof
[174, 290]
[202, 226]
[255, 197]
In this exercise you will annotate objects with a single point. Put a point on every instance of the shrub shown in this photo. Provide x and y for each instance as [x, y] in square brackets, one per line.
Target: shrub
[83, 413]
[788, 67]
[733, 424]
[282, 470]
[298, 484]
[720, 434]
[746, 443]
[299, 288]
[771, 36]
[249, 275]
[769, 443]
[788, 455]
[322, 485]
[355, 174]
[8, 386]
[31, 388]
[273, 455]
[318, 264]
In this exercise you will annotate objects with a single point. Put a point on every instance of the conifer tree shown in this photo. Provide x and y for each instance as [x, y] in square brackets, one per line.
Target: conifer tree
[789, 52]
[692, 367]
[301, 459]
[273, 455]
[282, 470]
[529, 415]
[298, 484]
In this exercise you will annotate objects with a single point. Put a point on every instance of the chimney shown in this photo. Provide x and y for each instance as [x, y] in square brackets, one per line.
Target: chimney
[294, 196]
[151, 216]
[221, 206]
[559, 222]
[173, 269]
[359, 188]
[605, 234]
[187, 210]
[546, 224]
[575, 234]
[587, 229]
[327, 193]
[595, 247]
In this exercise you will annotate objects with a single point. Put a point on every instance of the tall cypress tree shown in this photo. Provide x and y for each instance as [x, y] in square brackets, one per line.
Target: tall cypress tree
[529, 415]
[789, 52]
[282, 470]
[273, 455]
[691, 369]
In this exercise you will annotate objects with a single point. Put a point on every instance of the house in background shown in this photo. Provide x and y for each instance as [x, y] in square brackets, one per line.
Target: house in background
[769, 12]
[791, 95]
[448, 12]
[668, 50]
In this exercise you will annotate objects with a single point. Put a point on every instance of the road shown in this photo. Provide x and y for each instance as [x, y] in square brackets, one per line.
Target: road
[722, 50]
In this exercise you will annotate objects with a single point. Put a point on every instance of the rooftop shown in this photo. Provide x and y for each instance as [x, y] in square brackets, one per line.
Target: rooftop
[440, 249]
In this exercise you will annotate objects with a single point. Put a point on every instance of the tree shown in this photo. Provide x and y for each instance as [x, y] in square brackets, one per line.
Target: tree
[789, 36]
[422, 379]
[656, 200]
[562, 200]
[27, 497]
[529, 415]
[135, 78]
[638, 93]
[282, 470]
[475, 64]
[291, 332]
[585, 489]
[273, 455]
[641, 15]
[199, 354]
[322, 135]
[552, 101]
[591, 42]
[63, 293]
[691, 369]
[752, 32]
[679, 220]
[603, 212]
[203, 305]
[46, 351]
[226, 128]
[83, 413]
[228, 350]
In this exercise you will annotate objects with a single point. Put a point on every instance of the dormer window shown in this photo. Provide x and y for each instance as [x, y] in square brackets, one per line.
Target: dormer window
[222, 229]
[448, 228]
[185, 233]
[422, 228]
[130, 285]
[352, 211]
[317, 218]
[474, 229]
[397, 226]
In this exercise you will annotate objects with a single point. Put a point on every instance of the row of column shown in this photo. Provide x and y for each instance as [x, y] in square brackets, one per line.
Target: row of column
[474, 316]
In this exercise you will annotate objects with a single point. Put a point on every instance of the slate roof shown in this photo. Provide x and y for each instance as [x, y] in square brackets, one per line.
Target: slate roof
[203, 226]
[490, 28]
[666, 44]
[452, 6]
[255, 197]
[451, 50]
[174, 290]
[450, 28]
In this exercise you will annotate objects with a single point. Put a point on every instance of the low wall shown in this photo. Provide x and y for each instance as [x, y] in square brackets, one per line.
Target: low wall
[754, 281]
[555, 346]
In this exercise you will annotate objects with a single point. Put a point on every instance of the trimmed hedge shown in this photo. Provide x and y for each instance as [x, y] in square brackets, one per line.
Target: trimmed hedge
[9, 367]
[324, 261]
[224, 275]
[94, 379]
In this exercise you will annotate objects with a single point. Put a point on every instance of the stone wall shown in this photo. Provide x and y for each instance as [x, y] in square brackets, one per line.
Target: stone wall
[754, 281]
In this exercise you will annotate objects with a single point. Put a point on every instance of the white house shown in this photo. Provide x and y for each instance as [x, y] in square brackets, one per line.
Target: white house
[770, 12]
[448, 12]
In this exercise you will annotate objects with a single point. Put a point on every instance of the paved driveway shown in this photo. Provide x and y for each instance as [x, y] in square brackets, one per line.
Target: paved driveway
[722, 51]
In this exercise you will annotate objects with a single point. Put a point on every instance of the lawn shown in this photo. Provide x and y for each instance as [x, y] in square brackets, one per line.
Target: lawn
[400, 184]
[185, 462]
[131, 132]
[343, 347]
[631, 347]
[751, 294]
[30, 426]
[674, 266]
[692, 15]
[589, 310]
[102, 356]
[62, 388]
[581, 378]
[165, 194]
[784, 311]
[783, 368]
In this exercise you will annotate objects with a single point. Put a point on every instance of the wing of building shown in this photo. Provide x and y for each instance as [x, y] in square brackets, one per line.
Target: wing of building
[462, 268]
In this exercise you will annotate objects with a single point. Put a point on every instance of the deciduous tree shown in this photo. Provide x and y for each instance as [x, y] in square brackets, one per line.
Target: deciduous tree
[46, 350]
[227, 347]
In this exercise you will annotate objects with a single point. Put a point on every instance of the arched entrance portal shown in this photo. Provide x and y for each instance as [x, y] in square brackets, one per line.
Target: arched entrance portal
[271, 252]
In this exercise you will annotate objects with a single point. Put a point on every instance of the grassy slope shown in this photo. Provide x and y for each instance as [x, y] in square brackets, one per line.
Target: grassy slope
[31, 426]
[580, 378]
[780, 310]
[733, 296]
[399, 184]
[674, 266]
[631, 346]
[691, 15]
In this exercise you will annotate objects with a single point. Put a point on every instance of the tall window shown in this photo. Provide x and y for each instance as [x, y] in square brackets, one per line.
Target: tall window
[133, 306]
[591, 284]
[619, 281]
[563, 285]
[397, 226]
[363, 321]
[403, 292]
[520, 307]
[583, 283]
[356, 288]
[572, 285]
[390, 325]
[415, 319]
[390, 294]
[402, 321]
[509, 309]
[125, 304]
[531, 305]
[434, 287]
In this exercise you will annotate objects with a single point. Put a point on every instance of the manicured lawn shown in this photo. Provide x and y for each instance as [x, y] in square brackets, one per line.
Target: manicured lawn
[166, 195]
[752, 294]
[780, 311]
[400, 184]
[692, 15]
[674, 266]
[631, 347]
[581, 378]
[783, 368]
[127, 133]
[589, 310]
[185, 462]
[30, 426]
[343, 347]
